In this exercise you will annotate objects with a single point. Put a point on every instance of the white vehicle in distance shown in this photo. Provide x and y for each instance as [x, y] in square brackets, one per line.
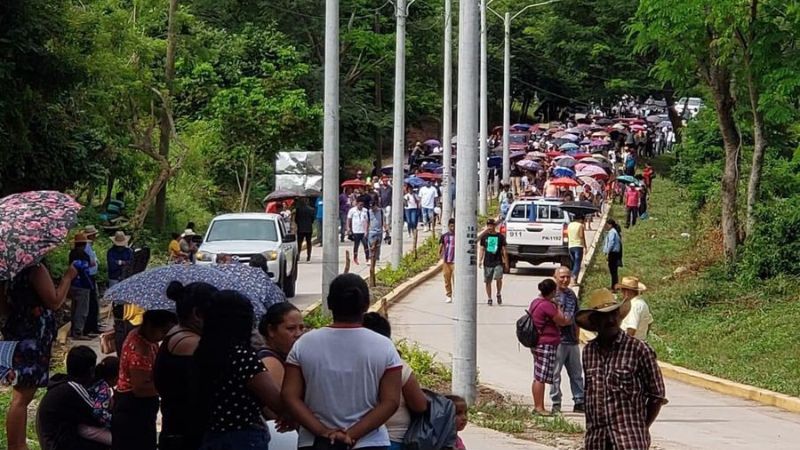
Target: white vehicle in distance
[536, 232]
[244, 235]
[693, 104]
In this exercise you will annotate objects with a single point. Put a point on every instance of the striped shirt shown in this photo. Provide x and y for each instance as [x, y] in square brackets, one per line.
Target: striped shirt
[448, 243]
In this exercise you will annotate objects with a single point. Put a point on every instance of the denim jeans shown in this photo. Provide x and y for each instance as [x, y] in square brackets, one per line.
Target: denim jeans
[569, 356]
[427, 216]
[576, 253]
[237, 440]
[412, 218]
[342, 225]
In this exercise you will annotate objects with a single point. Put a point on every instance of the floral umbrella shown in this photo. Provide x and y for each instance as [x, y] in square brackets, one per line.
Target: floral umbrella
[253, 279]
[31, 224]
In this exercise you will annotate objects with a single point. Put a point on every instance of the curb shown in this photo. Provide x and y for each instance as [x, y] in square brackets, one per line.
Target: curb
[587, 259]
[382, 305]
[732, 388]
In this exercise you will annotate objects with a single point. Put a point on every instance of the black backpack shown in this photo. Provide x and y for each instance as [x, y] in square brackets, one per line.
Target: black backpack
[434, 429]
[527, 334]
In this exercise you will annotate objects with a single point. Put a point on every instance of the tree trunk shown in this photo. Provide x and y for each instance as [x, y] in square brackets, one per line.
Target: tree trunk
[378, 102]
[674, 117]
[110, 180]
[152, 192]
[720, 81]
[759, 128]
[165, 126]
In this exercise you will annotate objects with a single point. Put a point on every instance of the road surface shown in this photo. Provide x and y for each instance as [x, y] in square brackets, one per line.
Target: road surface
[694, 419]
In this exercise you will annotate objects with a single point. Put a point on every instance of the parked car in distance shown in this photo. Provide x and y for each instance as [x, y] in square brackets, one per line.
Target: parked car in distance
[536, 231]
[693, 104]
[243, 235]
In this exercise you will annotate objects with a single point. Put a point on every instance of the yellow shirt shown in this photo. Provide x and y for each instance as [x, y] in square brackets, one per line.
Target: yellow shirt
[133, 314]
[174, 249]
[575, 234]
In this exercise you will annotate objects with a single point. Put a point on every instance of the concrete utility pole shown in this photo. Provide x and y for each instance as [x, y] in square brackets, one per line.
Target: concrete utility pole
[506, 98]
[401, 12]
[330, 189]
[484, 121]
[447, 115]
[465, 369]
[507, 18]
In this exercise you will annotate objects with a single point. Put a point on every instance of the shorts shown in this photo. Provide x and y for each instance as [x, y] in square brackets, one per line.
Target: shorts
[492, 273]
[544, 363]
[373, 239]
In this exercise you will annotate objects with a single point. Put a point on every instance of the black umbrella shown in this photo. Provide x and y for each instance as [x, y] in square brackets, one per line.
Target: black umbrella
[604, 122]
[580, 208]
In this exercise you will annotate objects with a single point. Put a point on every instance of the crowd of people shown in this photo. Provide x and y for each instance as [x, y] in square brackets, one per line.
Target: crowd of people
[224, 379]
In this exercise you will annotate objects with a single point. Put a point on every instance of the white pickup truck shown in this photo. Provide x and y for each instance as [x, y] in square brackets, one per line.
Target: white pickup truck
[536, 231]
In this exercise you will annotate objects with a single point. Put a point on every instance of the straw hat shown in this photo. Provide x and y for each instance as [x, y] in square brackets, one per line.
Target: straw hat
[188, 232]
[601, 301]
[631, 283]
[120, 239]
[90, 230]
[80, 238]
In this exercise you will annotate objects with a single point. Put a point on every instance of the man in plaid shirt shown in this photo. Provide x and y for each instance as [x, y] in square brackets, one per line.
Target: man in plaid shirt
[624, 387]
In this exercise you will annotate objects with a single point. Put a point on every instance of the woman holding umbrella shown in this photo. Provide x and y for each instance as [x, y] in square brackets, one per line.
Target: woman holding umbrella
[31, 225]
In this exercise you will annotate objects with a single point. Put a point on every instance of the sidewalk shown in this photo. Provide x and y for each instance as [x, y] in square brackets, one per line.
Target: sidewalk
[694, 419]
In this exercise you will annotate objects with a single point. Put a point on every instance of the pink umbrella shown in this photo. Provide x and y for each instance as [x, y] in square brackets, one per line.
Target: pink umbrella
[589, 170]
[591, 182]
[598, 143]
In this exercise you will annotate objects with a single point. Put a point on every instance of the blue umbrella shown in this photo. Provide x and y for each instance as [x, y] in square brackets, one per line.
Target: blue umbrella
[564, 172]
[495, 161]
[521, 126]
[570, 137]
[148, 289]
[569, 146]
[415, 182]
[253, 279]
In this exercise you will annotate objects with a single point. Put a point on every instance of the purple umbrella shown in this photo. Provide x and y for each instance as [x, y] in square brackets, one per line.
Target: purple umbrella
[570, 137]
[32, 224]
[432, 143]
[528, 164]
[598, 144]
[517, 154]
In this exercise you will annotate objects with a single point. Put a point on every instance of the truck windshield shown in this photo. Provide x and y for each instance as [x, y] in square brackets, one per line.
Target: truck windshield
[242, 230]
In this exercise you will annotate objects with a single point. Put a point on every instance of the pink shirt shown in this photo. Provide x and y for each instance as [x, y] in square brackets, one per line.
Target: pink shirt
[543, 312]
[632, 198]
[459, 444]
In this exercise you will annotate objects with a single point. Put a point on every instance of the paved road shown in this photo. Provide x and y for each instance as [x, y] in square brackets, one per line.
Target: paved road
[309, 282]
[694, 419]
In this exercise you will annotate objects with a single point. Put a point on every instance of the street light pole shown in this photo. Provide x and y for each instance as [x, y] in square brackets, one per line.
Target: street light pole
[447, 115]
[484, 119]
[399, 132]
[465, 354]
[506, 97]
[330, 151]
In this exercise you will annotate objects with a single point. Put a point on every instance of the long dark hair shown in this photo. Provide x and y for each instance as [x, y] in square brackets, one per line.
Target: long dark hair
[228, 324]
[190, 298]
[613, 223]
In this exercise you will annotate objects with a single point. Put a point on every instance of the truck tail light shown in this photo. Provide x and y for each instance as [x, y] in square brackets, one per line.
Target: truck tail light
[564, 234]
[503, 229]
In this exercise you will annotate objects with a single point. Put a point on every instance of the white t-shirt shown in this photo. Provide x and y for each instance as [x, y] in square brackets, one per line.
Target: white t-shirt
[427, 197]
[411, 201]
[342, 369]
[358, 220]
[397, 425]
[639, 318]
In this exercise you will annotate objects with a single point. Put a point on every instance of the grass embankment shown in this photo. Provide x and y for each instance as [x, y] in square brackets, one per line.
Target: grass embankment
[705, 319]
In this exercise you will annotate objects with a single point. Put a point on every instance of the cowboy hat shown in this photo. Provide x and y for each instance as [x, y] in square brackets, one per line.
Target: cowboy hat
[631, 283]
[601, 301]
[90, 230]
[188, 232]
[120, 239]
[80, 238]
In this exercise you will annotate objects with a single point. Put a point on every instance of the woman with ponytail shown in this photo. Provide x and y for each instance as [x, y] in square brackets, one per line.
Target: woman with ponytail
[343, 381]
[173, 367]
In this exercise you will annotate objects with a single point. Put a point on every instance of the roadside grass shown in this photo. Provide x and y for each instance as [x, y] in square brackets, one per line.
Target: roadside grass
[705, 319]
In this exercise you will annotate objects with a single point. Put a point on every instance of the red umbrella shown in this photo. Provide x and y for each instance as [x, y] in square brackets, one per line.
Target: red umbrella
[429, 176]
[354, 183]
[565, 182]
[582, 155]
[553, 154]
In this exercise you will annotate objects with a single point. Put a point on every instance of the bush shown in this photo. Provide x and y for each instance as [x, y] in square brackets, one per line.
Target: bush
[773, 246]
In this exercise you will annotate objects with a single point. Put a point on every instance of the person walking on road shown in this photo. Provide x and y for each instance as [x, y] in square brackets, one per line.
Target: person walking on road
[568, 353]
[304, 218]
[493, 258]
[427, 197]
[447, 251]
[612, 247]
[357, 223]
[632, 201]
[637, 322]
[547, 317]
[411, 209]
[385, 192]
[377, 226]
[576, 234]
[318, 215]
[624, 387]
[344, 209]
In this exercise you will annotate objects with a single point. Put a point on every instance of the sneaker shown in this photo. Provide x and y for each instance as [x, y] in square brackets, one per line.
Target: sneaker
[579, 408]
[448, 299]
[499, 300]
[555, 409]
[489, 302]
